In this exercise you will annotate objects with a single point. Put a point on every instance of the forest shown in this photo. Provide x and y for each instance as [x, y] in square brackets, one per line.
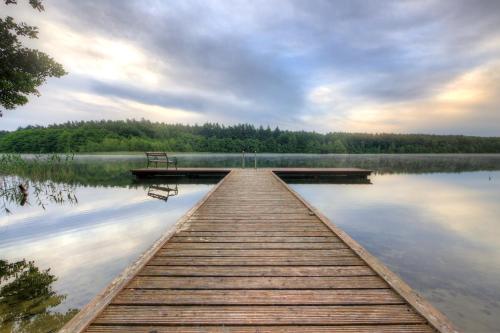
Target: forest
[144, 135]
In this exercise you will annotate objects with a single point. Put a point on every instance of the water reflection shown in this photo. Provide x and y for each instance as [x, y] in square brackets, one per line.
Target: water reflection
[438, 231]
[20, 191]
[27, 298]
[163, 192]
[86, 245]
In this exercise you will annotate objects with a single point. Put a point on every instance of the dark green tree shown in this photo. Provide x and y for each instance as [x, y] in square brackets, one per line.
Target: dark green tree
[142, 135]
[22, 69]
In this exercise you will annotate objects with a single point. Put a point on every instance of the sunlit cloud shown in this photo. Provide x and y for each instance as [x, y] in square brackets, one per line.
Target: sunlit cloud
[99, 57]
[470, 88]
[473, 94]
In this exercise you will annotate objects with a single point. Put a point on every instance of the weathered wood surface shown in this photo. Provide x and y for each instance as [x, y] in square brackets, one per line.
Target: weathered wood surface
[419, 328]
[254, 257]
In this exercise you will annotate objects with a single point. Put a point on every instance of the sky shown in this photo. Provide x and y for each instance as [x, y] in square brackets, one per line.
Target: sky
[413, 66]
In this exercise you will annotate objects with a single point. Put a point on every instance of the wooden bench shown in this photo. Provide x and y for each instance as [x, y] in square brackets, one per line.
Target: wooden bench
[160, 157]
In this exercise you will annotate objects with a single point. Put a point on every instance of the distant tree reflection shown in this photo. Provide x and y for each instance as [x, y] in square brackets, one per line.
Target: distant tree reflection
[26, 299]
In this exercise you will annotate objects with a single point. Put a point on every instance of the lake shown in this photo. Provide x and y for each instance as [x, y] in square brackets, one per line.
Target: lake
[432, 219]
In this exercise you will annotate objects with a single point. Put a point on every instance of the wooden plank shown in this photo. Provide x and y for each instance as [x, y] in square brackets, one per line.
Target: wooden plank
[418, 328]
[253, 216]
[244, 226]
[257, 297]
[263, 209]
[256, 261]
[256, 271]
[262, 315]
[249, 205]
[257, 224]
[221, 239]
[188, 233]
[230, 202]
[256, 246]
[255, 227]
[251, 222]
[251, 212]
[254, 253]
[257, 282]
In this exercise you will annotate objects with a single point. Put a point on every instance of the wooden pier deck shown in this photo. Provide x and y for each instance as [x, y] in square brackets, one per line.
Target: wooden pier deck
[288, 172]
[253, 256]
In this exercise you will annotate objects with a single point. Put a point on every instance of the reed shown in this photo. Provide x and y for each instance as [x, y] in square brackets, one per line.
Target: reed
[35, 180]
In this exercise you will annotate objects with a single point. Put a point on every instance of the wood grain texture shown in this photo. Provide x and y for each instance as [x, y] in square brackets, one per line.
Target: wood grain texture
[419, 328]
[261, 227]
[254, 253]
[257, 246]
[202, 282]
[257, 297]
[259, 315]
[256, 271]
[256, 239]
[256, 261]
[246, 233]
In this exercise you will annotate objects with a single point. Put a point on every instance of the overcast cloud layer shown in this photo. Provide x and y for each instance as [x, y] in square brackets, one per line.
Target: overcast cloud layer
[371, 66]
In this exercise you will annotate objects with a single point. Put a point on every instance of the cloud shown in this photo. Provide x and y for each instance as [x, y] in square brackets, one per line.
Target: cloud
[324, 65]
[467, 103]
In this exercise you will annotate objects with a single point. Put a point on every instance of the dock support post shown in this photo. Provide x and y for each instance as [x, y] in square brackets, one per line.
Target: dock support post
[243, 159]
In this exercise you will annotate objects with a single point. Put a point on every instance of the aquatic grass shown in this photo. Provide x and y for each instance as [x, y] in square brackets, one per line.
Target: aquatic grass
[38, 167]
[41, 178]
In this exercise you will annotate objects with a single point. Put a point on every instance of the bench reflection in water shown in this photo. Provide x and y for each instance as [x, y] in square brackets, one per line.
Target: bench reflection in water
[163, 192]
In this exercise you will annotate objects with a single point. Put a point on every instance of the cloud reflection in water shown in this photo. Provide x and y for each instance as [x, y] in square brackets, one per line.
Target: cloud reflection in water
[87, 245]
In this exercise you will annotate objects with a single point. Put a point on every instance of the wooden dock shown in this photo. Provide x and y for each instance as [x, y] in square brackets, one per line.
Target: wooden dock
[286, 172]
[252, 256]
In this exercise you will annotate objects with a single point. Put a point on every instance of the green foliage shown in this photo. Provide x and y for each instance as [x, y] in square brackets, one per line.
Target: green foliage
[26, 297]
[143, 135]
[22, 69]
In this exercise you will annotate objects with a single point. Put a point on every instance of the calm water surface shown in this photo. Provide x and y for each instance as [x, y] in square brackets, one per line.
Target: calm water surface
[433, 219]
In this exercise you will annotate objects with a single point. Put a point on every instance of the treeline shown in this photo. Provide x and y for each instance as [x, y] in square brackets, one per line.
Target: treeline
[144, 135]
